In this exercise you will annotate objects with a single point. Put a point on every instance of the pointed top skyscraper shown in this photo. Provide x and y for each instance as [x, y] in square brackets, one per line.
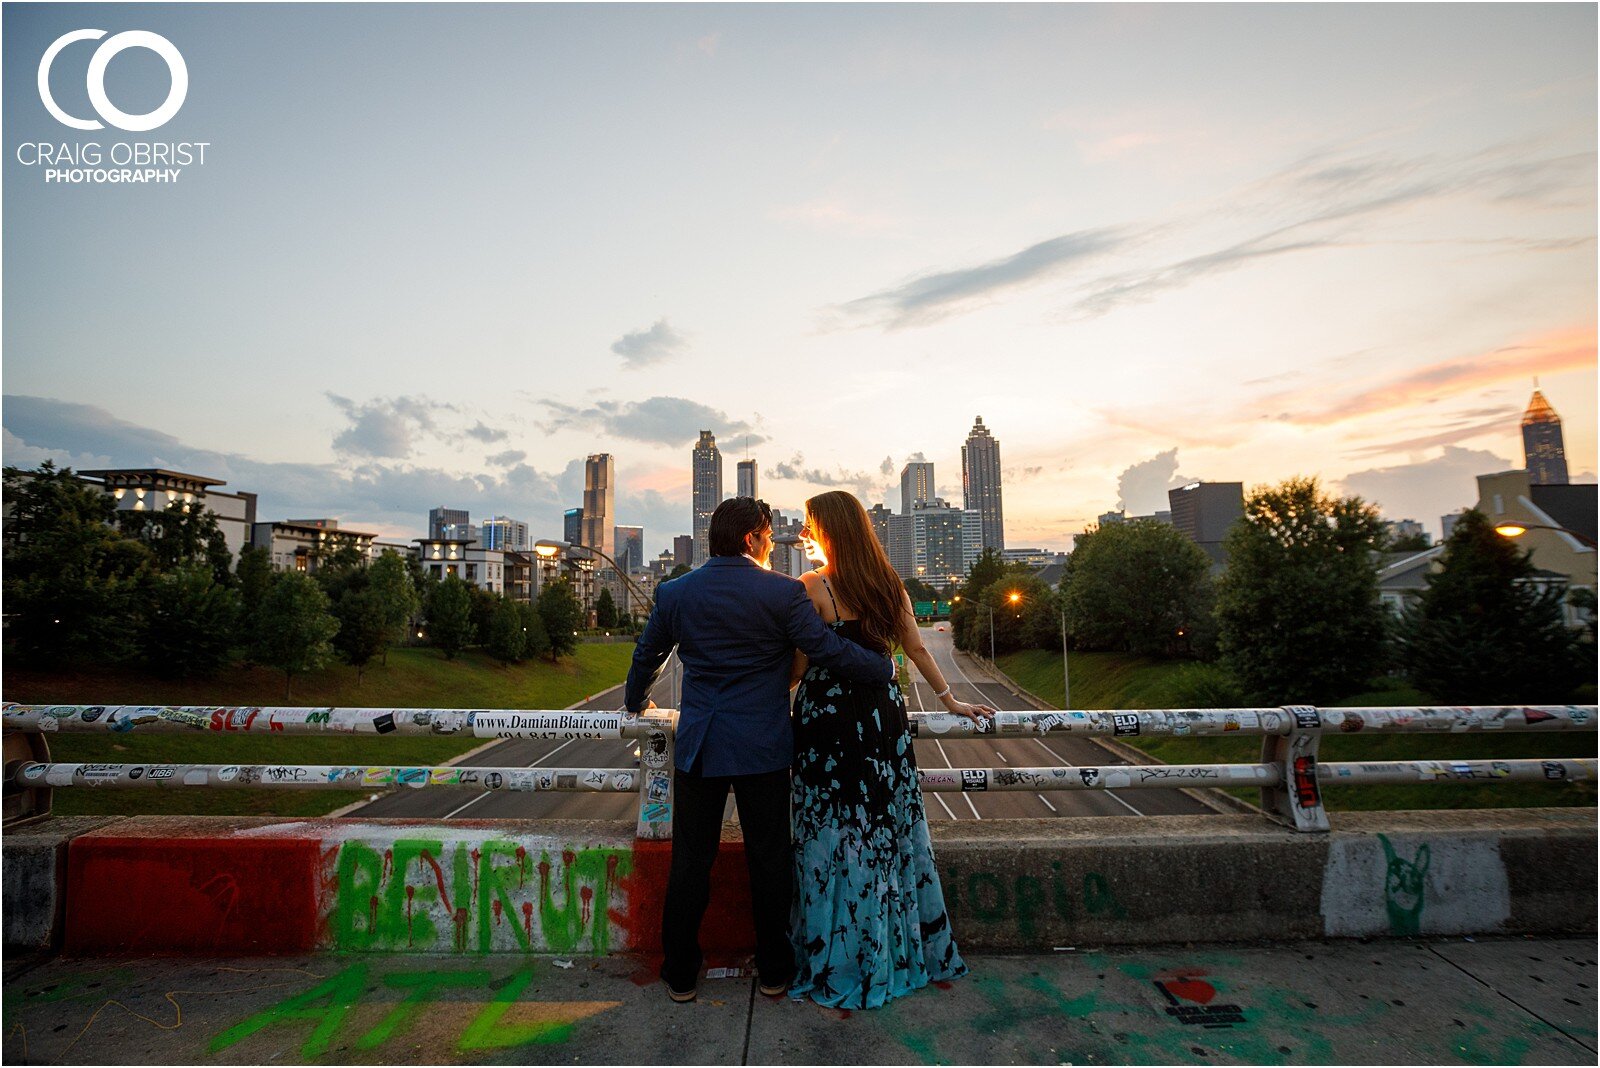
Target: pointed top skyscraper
[1543, 451]
[980, 483]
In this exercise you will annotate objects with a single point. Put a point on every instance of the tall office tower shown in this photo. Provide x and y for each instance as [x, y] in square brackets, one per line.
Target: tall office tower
[572, 526]
[1205, 510]
[879, 515]
[980, 483]
[630, 548]
[1543, 451]
[936, 543]
[707, 491]
[599, 503]
[749, 479]
[441, 517]
[503, 532]
[459, 532]
[916, 485]
[683, 550]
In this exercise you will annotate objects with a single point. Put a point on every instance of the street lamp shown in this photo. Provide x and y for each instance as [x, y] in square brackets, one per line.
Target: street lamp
[549, 547]
[1066, 678]
[1517, 530]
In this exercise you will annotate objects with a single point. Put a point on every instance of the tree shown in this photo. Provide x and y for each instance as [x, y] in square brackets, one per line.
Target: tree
[918, 590]
[988, 569]
[72, 581]
[450, 616]
[1298, 614]
[483, 606]
[188, 621]
[537, 641]
[1407, 543]
[562, 615]
[391, 582]
[181, 534]
[1485, 630]
[254, 576]
[1137, 587]
[678, 571]
[363, 627]
[293, 627]
[506, 638]
[605, 611]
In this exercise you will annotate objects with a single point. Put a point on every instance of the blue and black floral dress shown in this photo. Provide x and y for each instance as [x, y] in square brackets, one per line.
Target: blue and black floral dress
[869, 920]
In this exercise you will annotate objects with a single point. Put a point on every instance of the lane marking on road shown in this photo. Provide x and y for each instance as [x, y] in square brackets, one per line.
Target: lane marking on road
[487, 793]
[1069, 764]
[923, 708]
[1002, 756]
[1046, 801]
[966, 796]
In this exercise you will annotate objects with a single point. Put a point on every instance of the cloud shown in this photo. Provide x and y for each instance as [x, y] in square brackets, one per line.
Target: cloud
[932, 296]
[506, 459]
[645, 347]
[486, 434]
[1142, 488]
[388, 498]
[385, 429]
[1022, 474]
[864, 484]
[1565, 350]
[1462, 430]
[672, 421]
[1427, 490]
[886, 469]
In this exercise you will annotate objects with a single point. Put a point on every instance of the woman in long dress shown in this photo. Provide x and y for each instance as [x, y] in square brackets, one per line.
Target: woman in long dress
[869, 920]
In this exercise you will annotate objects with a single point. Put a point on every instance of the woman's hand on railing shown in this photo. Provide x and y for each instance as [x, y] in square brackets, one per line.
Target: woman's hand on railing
[974, 712]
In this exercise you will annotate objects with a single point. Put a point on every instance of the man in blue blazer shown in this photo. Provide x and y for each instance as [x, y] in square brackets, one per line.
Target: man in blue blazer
[736, 626]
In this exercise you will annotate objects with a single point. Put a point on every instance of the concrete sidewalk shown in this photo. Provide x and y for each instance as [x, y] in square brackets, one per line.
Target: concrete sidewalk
[1504, 1001]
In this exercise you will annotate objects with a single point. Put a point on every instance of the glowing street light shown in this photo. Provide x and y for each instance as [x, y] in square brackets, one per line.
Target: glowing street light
[1517, 530]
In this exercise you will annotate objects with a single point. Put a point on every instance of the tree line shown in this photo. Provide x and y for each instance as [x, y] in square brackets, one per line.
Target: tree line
[1296, 616]
[88, 583]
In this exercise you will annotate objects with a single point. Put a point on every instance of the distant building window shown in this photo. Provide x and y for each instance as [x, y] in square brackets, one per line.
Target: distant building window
[472, 572]
[435, 569]
[1499, 505]
[452, 570]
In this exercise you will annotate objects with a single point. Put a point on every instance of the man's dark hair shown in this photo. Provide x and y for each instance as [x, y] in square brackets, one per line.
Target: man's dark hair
[733, 519]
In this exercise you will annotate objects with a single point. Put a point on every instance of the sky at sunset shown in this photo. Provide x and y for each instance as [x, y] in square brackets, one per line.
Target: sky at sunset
[437, 255]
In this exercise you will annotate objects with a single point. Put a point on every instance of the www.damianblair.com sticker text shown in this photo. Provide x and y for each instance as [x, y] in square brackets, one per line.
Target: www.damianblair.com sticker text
[129, 162]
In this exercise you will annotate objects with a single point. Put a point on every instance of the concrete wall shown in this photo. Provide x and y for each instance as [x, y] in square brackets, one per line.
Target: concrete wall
[34, 878]
[221, 885]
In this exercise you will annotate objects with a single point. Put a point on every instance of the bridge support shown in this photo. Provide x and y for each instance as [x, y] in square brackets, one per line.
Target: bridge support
[1296, 800]
[25, 801]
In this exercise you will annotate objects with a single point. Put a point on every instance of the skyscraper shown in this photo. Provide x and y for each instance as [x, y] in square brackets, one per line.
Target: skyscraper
[441, 517]
[916, 485]
[503, 532]
[707, 490]
[683, 550]
[1205, 510]
[630, 548]
[749, 479]
[878, 515]
[936, 543]
[572, 526]
[599, 503]
[980, 483]
[1544, 454]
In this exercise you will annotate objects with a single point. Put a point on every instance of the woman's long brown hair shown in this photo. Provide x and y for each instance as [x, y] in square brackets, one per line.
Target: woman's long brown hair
[858, 568]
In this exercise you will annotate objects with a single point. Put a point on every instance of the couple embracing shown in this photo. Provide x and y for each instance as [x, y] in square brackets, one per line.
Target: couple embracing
[847, 904]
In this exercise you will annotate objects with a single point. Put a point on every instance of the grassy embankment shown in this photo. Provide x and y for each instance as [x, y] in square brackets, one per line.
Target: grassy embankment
[414, 678]
[1115, 680]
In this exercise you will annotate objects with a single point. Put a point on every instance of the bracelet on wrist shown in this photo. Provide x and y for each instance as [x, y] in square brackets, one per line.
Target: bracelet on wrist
[942, 694]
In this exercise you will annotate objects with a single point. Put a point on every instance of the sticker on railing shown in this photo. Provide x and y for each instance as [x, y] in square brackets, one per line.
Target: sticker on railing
[530, 724]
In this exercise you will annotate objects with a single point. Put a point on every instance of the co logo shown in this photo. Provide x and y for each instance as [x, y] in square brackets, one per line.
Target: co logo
[97, 79]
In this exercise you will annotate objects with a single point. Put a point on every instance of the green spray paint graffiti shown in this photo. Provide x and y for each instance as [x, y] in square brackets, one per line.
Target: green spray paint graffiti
[1025, 898]
[496, 896]
[1403, 888]
[330, 1003]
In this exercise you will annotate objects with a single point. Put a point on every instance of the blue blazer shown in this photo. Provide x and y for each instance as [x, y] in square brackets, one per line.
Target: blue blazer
[736, 626]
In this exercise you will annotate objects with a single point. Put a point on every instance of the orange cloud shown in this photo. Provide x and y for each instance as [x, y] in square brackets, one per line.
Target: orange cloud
[1572, 349]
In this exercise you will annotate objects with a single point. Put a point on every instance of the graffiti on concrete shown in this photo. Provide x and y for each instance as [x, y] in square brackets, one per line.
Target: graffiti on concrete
[1026, 901]
[328, 1004]
[475, 895]
[1403, 887]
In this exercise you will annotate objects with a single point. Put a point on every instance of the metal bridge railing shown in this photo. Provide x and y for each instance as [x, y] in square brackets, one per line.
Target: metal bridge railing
[1289, 776]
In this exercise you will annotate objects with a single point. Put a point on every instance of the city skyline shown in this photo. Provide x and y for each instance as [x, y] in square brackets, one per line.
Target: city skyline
[1151, 245]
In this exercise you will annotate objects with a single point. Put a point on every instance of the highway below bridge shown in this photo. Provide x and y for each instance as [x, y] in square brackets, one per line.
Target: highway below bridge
[972, 683]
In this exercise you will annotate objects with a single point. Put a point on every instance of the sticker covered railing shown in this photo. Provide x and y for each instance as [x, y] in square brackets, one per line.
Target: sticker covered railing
[1289, 775]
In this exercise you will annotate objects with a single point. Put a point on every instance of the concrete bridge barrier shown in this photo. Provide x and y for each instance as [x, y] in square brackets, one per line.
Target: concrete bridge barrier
[242, 886]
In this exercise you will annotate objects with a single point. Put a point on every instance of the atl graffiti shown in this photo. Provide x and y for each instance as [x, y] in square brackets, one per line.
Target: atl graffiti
[476, 895]
[328, 1005]
[1023, 899]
